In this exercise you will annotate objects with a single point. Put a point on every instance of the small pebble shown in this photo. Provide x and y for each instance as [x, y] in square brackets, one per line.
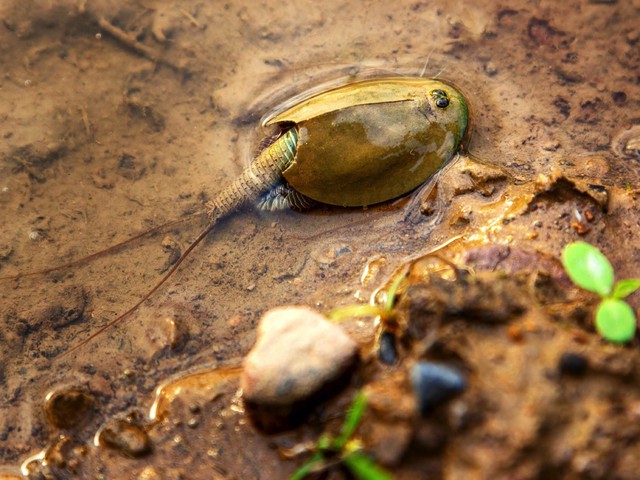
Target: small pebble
[434, 384]
[126, 438]
[619, 98]
[490, 68]
[192, 423]
[387, 351]
[149, 473]
[299, 361]
[573, 364]
[68, 408]
[174, 332]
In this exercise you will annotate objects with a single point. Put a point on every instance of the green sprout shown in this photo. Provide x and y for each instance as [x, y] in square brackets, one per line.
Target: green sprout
[589, 269]
[346, 450]
[385, 312]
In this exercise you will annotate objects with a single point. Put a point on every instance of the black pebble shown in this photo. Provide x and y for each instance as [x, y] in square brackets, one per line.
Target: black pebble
[619, 97]
[573, 364]
[434, 384]
[387, 352]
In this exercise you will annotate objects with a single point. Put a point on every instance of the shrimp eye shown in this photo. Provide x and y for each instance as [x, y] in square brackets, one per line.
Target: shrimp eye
[440, 97]
[442, 102]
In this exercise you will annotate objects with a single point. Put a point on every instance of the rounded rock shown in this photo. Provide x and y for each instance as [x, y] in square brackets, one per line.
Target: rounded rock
[299, 360]
[435, 384]
[297, 352]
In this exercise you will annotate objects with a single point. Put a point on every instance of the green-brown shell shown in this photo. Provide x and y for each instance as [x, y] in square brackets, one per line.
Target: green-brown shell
[374, 140]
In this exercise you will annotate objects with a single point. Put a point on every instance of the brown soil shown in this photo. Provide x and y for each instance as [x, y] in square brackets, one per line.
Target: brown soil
[118, 116]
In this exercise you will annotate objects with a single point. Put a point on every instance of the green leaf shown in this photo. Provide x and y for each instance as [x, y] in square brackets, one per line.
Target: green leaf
[363, 468]
[615, 320]
[393, 290]
[625, 287]
[352, 420]
[307, 467]
[588, 268]
[350, 311]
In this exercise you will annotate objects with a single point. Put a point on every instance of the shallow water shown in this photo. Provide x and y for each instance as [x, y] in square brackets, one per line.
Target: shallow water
[100, 141]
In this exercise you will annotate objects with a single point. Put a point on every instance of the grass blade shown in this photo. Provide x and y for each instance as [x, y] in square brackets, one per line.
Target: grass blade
[363, 468]
[350, 311]
[307, 467]
[352, 420]
[391, 293]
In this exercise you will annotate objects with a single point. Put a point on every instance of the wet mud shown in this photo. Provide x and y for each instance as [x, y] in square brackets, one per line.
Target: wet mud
[116, 117]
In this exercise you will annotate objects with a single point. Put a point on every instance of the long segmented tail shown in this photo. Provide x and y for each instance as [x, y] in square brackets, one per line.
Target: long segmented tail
[264, 173]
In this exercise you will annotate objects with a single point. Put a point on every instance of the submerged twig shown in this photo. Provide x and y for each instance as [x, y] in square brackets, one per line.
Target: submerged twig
[133, 44]
[191, 18]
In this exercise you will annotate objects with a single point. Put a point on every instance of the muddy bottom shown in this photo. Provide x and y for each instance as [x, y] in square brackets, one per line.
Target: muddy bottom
[118, 117]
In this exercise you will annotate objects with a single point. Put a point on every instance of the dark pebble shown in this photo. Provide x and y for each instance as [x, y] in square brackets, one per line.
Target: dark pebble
[68, 408]
[387, 352]
[573, 364]
[434, 384]
[619, 97]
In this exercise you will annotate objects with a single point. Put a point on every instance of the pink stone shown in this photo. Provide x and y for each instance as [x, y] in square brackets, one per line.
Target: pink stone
[298, 351]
